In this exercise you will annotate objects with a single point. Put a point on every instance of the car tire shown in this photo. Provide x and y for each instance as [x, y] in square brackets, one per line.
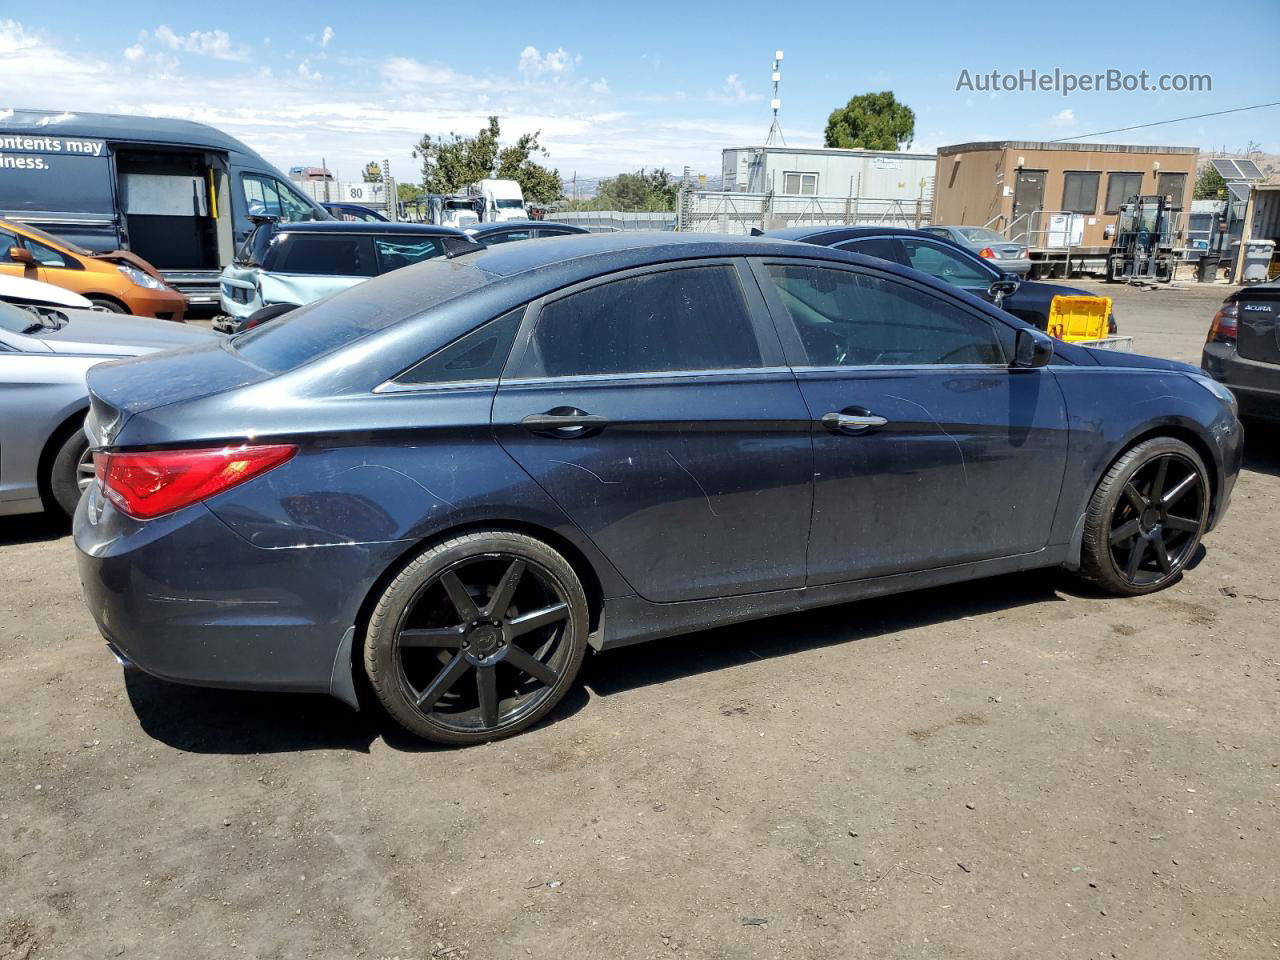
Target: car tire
[70, 472]
[107, 304]
[477, 638]
[1145, 519]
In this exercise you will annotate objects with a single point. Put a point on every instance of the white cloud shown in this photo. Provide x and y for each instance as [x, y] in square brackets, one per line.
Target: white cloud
[1064, 118]
[534, 65]
[733, 91]
[306, 73]
[380, 108]
[135, 52]
[205, 43]
[326, 36]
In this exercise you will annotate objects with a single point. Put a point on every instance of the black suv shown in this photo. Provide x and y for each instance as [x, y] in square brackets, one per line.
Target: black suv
[1243, 349]
[949, 262]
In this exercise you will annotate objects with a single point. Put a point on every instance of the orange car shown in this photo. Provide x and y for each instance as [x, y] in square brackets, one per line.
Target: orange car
[119, 281]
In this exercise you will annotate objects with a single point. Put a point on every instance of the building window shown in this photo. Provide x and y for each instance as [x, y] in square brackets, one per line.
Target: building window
[1172, 185]
[1080, 192]
[1120, 187]
[800, 184]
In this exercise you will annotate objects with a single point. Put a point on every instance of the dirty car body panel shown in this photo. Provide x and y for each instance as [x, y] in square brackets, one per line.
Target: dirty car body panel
[424, 403]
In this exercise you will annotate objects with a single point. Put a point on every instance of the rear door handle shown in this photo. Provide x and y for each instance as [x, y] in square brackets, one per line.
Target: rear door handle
[852, 422]
[565, 423]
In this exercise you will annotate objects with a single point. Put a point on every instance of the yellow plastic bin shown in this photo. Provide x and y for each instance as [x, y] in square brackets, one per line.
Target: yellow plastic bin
[1079, 318]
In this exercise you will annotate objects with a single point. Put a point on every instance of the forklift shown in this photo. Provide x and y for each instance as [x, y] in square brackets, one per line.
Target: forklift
[1142, 244]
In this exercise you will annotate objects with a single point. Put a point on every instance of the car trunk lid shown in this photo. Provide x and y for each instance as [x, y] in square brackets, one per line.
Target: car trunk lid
[121, 389]
[1259, 323]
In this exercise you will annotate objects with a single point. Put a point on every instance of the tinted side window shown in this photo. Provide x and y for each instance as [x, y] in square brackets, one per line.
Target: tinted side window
[397, 252]
[849, 319]
[267, 196]
[886, 248]
[7, 240]
[949, 265]
[478, 355]
[329, 256]
[693, 318]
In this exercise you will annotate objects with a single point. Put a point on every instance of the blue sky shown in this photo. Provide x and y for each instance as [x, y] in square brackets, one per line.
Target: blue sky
[616, 88]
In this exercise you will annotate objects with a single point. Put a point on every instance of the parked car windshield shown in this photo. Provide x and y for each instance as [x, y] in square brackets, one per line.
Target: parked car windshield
[341, 319]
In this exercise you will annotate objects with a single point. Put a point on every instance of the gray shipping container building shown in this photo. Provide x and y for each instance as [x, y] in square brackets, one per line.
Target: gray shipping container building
[829, 172]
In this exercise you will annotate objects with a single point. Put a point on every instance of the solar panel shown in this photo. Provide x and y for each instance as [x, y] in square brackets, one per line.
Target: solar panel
[1249, 169]
[1237, 169]
[1239, 191]
[1227, 168]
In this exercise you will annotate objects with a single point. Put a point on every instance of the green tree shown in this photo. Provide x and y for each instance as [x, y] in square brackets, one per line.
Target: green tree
[871, 121]
[643, 190]
[372, 172]
[407, 191]
[1210, 185]
[450, 164]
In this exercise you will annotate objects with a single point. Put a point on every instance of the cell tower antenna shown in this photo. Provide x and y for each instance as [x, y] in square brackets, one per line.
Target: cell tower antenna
[775, 137]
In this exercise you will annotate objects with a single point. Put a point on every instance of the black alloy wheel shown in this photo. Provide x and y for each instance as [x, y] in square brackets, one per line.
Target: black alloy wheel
[1146, 518]
[478, 638]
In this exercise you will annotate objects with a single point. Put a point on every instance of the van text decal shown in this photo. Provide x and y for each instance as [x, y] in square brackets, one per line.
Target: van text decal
[10, 145]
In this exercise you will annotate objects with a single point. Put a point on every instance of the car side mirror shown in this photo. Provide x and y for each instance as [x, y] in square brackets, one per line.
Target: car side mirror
[1031, 348]
[21, 255]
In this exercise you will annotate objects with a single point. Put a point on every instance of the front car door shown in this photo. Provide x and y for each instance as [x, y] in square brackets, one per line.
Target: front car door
[928, 449]
[655, 408]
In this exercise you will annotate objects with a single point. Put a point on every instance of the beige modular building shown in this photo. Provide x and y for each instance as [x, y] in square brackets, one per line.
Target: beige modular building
[1061, 199]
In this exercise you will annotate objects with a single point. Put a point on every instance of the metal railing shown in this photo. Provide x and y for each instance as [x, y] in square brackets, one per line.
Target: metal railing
[717, 211]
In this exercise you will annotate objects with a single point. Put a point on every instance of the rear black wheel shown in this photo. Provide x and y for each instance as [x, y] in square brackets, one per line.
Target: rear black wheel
[478, 638]
[1146, 518]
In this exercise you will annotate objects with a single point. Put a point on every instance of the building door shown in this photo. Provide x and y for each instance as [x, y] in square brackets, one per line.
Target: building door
[1028, 197]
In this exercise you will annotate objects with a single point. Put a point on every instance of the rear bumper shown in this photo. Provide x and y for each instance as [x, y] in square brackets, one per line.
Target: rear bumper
[186, 599]
[1021, 267]
[1256, 384]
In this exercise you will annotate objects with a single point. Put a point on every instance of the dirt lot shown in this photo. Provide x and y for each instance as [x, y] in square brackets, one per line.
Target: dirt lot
[1010, 768]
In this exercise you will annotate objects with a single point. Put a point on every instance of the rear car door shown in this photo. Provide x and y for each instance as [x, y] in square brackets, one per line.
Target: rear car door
[655, 408]
[928, 449]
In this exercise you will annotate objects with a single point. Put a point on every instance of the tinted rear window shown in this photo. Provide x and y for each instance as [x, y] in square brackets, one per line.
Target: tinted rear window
[344, 318]
[328, 256]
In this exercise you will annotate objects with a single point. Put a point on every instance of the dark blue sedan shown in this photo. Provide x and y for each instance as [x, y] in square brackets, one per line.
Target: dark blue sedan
[456, 477]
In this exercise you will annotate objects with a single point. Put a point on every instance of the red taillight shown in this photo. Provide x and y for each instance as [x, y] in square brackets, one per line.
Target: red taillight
[987, 252]
[148, 485]
[1226, 324]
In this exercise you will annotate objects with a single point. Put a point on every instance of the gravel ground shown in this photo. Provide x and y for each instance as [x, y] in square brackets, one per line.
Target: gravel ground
[1009, 768]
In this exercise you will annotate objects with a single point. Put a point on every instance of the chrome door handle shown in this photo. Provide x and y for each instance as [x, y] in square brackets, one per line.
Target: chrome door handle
[851, 422]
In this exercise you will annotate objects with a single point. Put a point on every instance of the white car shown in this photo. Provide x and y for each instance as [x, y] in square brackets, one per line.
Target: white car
[22, 292]
[292, 264]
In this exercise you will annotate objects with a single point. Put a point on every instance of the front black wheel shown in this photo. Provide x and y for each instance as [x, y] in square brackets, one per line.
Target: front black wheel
[71, 472]
[478, 638]
[1146, 518]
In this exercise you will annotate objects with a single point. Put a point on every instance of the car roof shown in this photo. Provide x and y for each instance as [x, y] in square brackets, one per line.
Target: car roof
[359, 226]
[829, 233]
[499, 225]
[582, 255]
